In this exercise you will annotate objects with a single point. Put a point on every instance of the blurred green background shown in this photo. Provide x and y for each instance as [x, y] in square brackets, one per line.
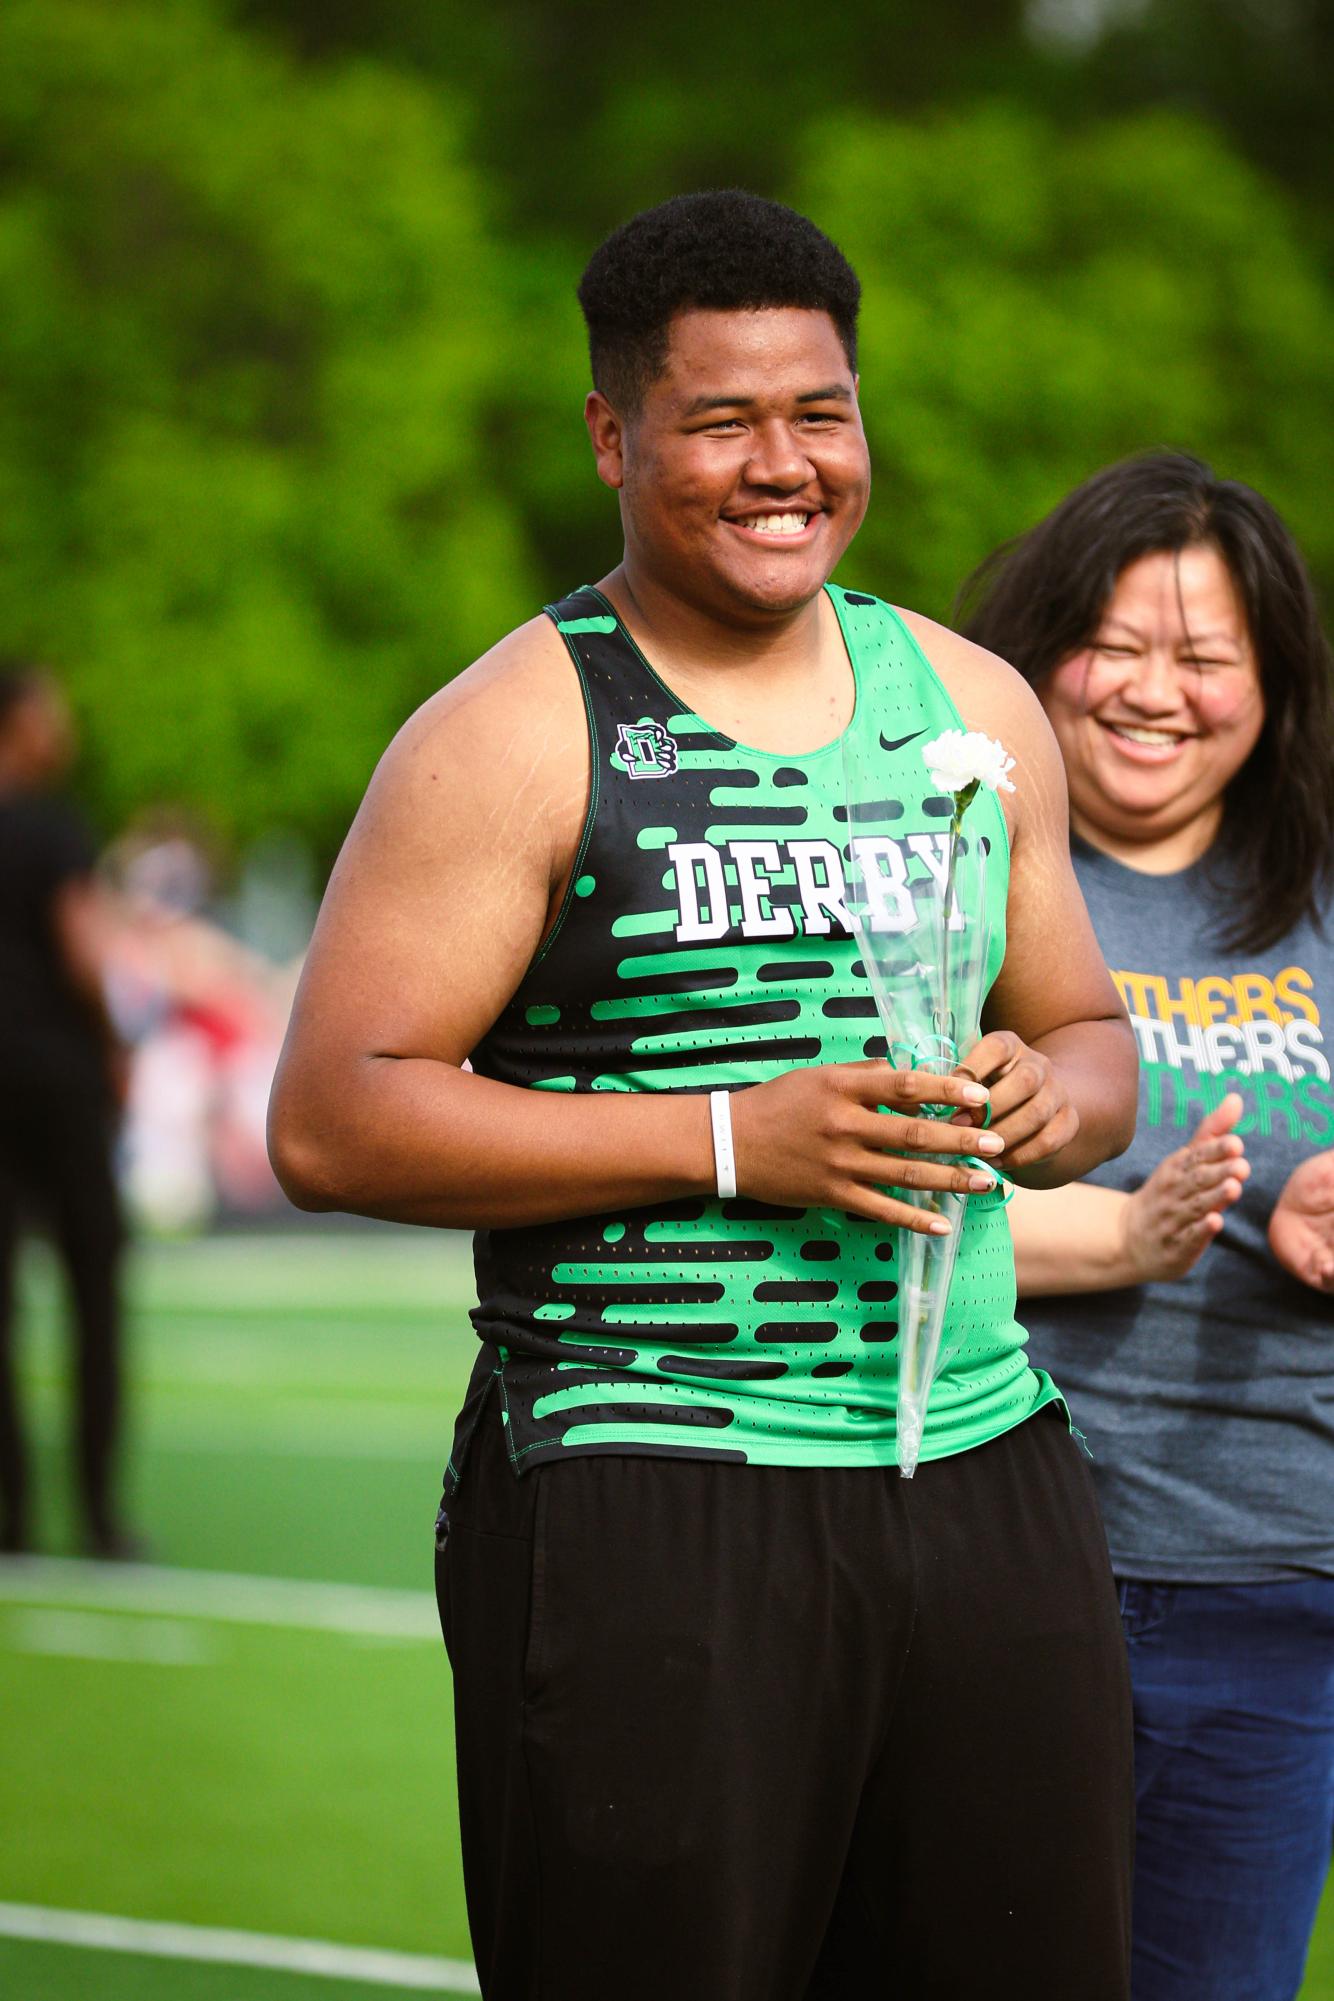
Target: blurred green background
[291, 368]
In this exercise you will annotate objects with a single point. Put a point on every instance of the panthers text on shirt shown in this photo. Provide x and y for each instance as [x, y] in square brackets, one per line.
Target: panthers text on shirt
[1252, 1032]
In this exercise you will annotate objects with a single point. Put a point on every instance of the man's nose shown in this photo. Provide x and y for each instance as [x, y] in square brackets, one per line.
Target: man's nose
[778, 459]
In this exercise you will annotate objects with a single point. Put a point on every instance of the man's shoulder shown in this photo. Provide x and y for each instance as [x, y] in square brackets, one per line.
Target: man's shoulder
[508, 727]
[989, 694]
[516, 693]
[508, 675]
[960, 663]
[954, 656]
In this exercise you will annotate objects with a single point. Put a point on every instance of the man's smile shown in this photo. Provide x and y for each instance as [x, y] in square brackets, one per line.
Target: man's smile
[775, 525]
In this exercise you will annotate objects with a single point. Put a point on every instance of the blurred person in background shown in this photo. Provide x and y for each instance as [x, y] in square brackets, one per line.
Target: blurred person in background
[206, 1015]
[61, 1080]
[1168, 624]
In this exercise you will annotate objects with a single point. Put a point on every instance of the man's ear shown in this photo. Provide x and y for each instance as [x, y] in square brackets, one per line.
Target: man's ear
[607, 434]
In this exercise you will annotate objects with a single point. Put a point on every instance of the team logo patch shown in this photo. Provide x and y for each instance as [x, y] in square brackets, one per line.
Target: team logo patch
[647, 750]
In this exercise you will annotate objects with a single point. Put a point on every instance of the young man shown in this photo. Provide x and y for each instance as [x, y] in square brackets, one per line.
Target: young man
[741, 1714]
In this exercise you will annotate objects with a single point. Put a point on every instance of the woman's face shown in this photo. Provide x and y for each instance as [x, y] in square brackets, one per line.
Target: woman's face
[1163, 708]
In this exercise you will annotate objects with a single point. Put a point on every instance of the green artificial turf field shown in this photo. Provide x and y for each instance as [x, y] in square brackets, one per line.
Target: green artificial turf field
[192, 1743]
[275, 1762]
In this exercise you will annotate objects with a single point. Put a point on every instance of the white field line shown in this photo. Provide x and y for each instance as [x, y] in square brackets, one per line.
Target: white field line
[358, 1609]
[242, 1440]
[105, 1636]
[229, 1948]
[332, 1444]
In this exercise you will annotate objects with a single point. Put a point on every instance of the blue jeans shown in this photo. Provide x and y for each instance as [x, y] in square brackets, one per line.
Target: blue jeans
[1234, 1784]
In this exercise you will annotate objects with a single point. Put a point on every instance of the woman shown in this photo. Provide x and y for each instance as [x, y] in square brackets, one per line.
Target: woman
[1168, 626]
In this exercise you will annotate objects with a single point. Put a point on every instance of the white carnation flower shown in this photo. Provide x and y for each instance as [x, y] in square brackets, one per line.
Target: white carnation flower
[958, 759]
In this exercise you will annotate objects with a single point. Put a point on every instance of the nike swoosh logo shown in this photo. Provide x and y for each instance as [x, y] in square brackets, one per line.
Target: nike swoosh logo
[899, 742]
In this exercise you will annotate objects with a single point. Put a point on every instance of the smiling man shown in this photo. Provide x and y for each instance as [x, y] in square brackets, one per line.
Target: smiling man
[740, 1713]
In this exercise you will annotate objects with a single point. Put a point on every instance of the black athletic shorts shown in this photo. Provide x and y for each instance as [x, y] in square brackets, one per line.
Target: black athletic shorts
[754, 1733]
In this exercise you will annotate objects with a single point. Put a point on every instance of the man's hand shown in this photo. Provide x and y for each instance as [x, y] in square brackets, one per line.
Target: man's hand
[817, 1138]
[1170, 1221]
[1301, 1229]
[1031, 1107]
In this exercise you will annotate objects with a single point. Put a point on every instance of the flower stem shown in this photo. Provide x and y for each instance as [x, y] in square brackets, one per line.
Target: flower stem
[962, 801]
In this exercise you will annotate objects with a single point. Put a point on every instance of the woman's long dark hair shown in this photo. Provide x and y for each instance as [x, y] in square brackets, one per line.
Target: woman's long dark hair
[1037, 600]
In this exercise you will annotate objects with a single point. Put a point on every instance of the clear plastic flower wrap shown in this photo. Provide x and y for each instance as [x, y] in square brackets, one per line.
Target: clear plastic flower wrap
[919, 910]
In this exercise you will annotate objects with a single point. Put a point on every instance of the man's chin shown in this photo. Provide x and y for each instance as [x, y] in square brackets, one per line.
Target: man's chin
[773, 596]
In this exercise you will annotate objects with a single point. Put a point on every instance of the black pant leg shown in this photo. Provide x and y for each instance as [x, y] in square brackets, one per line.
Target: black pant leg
[88, 1231]
[669, 1683]
[483, 1580]
[993, 1853]
[56, 1163]
[14, 1522]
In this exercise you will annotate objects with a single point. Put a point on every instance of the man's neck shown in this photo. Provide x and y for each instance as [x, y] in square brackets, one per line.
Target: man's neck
[782, 685]
[694, 635]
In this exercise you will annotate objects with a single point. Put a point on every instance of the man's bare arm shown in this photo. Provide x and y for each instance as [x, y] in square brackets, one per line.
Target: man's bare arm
[1058, 1052]
[440, 898]
[437, 905]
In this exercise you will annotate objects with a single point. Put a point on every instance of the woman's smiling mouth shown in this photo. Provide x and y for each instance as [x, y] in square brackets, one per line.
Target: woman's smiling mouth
[1143, 742]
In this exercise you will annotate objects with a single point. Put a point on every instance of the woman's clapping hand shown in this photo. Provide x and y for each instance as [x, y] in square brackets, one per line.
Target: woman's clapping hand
[1171, 1220]
[1301, 1229]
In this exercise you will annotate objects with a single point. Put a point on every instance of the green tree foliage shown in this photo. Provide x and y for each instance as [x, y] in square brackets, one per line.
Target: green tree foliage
[583, 113]
[291, 366]
[249, 345]
[1037, 305]
[1256, 69]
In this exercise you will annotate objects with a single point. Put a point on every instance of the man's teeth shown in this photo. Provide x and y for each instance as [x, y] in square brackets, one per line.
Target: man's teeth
[1145, 736]
[775, 524]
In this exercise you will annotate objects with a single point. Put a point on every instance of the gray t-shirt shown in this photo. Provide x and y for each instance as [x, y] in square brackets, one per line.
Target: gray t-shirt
[1208, 1403]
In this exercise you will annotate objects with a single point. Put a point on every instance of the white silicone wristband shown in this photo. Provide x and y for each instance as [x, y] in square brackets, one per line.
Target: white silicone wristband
[724, 1157]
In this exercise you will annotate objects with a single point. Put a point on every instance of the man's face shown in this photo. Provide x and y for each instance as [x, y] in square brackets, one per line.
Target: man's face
[744, 475]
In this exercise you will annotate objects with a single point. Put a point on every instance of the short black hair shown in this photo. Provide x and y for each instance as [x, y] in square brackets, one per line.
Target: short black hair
[1039, 599]
[722, 250]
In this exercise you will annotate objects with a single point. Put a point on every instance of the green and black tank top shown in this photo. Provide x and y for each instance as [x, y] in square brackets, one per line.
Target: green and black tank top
[704, 942]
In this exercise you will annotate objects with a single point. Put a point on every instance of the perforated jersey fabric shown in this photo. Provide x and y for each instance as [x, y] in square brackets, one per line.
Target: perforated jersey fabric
[704, 943]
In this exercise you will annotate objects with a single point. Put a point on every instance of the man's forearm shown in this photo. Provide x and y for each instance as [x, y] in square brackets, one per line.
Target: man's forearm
[419, 1141]
[1071, 1239]
[1098, 1064]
